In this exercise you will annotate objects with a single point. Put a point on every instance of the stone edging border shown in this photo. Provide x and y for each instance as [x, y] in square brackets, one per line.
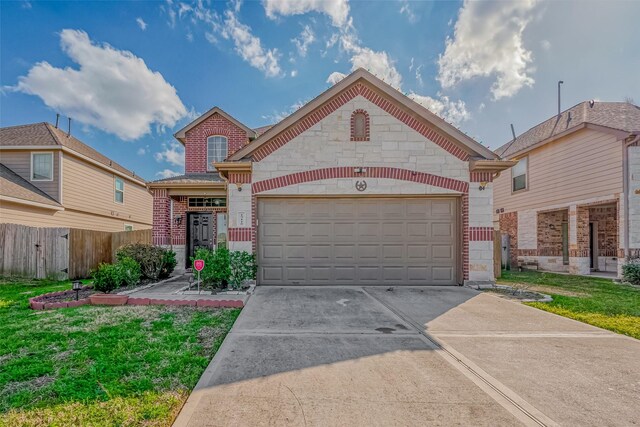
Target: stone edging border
[36, 304]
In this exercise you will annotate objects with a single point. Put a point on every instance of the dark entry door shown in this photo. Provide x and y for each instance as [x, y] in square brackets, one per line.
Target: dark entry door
[200, 233]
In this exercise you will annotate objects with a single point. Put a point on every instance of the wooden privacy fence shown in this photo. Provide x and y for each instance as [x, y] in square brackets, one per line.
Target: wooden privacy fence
[59, 253]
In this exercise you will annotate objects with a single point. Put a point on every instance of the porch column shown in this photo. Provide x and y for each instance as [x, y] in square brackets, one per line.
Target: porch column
[579, 261]
[481, 230]
[240, 212]
[161, 216]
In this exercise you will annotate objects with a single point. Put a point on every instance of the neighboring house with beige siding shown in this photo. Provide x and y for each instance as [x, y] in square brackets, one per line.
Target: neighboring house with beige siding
[563, 204]
[51, 179]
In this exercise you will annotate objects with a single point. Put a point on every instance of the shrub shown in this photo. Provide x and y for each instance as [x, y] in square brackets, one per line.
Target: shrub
[631, 272]
[107, 277]
[130, 271]
[243, 267]
[154, 261]
[169, 263]
[216, 266]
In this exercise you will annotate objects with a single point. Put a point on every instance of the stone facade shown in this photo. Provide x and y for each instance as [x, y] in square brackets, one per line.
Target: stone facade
[397, 159]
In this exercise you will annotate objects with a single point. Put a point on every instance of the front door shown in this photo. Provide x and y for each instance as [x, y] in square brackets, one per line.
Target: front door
[200, 233]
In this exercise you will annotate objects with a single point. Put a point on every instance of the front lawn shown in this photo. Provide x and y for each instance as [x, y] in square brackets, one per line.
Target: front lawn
[599, 302]
[100, 366]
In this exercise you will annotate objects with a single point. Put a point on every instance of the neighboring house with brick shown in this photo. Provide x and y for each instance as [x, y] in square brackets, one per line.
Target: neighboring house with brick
[48, 178]
[360, 186]
[572, 202]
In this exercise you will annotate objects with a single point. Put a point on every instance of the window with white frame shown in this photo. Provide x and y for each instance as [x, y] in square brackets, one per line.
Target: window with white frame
[519, 175]
[217, 150]
[119, 190]
[41, 166]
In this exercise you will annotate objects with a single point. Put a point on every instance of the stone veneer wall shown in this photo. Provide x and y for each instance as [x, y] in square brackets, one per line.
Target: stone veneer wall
[398, 160]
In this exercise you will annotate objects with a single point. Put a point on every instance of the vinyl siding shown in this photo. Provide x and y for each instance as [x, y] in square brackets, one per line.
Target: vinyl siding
[584, 165]
[20, 163]
[90, 189]
[14, 213]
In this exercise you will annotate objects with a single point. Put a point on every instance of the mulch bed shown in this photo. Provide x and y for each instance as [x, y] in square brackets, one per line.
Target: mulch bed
[84, 293]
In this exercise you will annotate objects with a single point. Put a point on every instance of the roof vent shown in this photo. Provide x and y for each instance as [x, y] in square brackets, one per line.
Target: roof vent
[592, 103]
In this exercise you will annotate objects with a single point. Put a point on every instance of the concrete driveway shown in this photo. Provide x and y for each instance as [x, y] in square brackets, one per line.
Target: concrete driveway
[412, 356]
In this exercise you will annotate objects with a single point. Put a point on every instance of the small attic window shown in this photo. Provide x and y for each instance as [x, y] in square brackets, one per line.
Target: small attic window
[359, 126]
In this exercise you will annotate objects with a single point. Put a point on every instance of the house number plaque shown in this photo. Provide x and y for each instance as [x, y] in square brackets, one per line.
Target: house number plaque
[361, 185]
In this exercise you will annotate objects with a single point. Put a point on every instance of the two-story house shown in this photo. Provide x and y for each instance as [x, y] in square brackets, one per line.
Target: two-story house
[48, 178]
[572, 202]
[362, 185]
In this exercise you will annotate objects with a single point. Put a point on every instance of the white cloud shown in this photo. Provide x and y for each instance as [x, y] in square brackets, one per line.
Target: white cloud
[142, 151]
[378, 63]
[335, 77]
[405, 9]
[488, 41]
[545, 44]
[26, 5]
[172, 153]
[281, 115]
[112, 89]
[141, 23]
[249, 47]
[452, 111]
[167, 173]
[294, 73]
[303, 41]
[419, 75]
[337, 10]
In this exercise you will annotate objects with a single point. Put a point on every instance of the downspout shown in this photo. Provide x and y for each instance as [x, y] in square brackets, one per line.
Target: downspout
[625, 189]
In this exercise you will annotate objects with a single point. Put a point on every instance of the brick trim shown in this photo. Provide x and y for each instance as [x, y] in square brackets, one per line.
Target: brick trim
[481, 177]
[348, 172]
[366, 126]
[342, 98]
[240, 234]
[239, 178]
[465, 236]
[481, 234]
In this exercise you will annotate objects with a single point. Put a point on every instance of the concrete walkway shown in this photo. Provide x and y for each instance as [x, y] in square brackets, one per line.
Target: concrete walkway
[412, 356]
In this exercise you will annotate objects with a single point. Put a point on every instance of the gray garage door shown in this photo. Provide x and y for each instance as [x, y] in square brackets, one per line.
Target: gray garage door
[357, 241]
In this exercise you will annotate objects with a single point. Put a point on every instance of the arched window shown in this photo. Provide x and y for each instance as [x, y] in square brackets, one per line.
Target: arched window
[217, 150]
[360, 126]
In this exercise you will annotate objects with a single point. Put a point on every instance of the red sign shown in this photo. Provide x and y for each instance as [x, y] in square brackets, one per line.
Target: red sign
[198, 264]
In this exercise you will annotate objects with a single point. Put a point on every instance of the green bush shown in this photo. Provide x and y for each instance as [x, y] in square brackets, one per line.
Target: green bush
[169, 263]
[631, 272]
[243, 267]
[130, 271]
[155, 262]
[107, 277]
[216, 270]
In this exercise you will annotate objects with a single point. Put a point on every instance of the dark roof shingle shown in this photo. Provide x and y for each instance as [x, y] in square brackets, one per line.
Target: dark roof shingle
[13, 185]
[622, 116]
[192, 178]
[44, 134]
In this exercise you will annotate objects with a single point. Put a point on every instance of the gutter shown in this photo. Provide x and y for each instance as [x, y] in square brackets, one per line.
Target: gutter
[625, 185]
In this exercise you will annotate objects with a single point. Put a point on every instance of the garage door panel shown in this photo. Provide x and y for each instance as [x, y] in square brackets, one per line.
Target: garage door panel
[442, 252]
[344, 253]
[393, 252]
[360, 241]
[442, 274]
[441, 229]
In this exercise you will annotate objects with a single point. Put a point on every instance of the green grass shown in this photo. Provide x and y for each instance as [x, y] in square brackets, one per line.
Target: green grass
[100, 366]
[598, 302]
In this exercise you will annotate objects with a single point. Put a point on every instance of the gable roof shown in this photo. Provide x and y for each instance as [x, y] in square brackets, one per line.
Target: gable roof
[616, 116]
[190, 178]
[13, 186]
[404, 102]
[182, 133]
[45, 134]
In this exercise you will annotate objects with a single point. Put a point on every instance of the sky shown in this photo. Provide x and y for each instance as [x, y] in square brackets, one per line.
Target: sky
[130, 74]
